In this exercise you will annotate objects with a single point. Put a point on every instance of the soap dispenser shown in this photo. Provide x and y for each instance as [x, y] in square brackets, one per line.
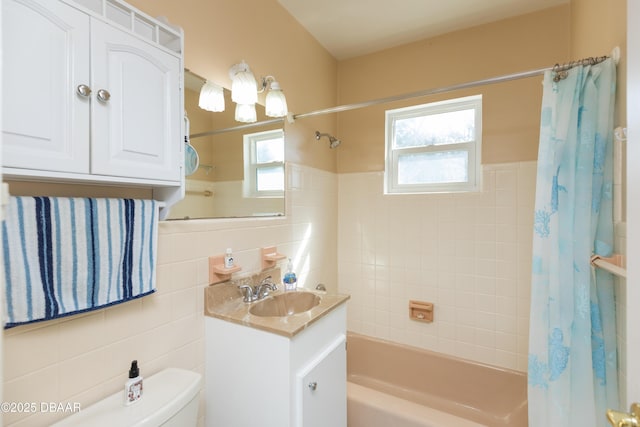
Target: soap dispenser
[290, 280]
[133, 387]
[228, 258]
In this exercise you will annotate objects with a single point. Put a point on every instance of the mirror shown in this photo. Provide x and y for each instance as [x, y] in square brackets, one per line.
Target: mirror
[241, 166]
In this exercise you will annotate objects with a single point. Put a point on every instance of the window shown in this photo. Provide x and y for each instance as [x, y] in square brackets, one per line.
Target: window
[264, 164]
[434, 147]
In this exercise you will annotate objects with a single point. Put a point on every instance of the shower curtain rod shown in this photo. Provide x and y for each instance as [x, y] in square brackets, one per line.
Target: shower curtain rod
[615, 54]
[235, 128]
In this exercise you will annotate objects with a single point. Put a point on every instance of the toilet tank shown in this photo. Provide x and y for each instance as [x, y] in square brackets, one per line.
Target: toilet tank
[170, 398]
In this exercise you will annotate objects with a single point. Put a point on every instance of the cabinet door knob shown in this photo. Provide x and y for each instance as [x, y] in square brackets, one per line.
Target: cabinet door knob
[83, 90]
[103, 95]
[313, 386]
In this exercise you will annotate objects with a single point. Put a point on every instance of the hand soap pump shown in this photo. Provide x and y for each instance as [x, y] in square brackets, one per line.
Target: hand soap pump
[290, 280]
[133, 387]
[228, 259]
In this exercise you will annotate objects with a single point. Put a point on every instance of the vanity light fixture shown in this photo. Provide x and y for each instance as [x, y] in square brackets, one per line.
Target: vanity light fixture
[211, 97]
[245, 90]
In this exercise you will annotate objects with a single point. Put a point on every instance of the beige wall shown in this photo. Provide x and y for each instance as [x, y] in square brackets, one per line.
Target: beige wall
[510, 110]
[221, 33]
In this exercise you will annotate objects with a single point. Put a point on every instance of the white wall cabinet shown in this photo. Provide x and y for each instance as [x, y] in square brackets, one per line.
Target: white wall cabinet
[137, 132]
[88, 99]
[258, 378]
[45, 122]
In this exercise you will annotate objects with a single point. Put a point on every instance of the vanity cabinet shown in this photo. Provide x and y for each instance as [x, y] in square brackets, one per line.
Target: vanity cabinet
[88, 99]
[259, 378]
[319, 387]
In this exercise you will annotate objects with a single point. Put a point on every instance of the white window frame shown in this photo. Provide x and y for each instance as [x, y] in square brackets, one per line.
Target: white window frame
[473, 147]
[250, 184]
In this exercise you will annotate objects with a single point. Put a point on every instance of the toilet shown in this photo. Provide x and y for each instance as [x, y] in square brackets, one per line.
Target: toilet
[170, 399]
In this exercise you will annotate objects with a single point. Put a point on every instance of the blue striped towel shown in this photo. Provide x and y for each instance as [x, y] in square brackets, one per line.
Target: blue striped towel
[65, 255]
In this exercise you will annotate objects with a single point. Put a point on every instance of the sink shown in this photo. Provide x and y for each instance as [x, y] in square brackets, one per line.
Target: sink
[285, 304]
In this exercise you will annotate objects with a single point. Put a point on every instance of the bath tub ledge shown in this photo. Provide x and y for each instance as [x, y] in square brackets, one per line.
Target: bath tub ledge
[367, 407]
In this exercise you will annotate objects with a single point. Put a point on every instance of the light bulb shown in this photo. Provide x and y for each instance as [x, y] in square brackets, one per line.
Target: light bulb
[275, 102]
[246, 113]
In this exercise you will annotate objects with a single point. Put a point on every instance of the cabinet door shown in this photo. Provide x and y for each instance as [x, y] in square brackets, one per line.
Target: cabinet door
[322, 388]
[136, 132]
[45, 121]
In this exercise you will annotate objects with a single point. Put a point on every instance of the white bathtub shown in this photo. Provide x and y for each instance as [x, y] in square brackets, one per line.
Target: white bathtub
[392, 385]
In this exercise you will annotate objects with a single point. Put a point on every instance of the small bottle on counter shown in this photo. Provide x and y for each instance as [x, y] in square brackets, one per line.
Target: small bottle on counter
[290, 280]
[133, 387]
[228, 259]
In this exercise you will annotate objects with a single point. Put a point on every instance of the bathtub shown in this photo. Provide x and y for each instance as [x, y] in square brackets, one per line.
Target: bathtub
[396, 385]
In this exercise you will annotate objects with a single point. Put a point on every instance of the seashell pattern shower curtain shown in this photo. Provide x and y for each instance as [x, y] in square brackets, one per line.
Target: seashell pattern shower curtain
[572, 373]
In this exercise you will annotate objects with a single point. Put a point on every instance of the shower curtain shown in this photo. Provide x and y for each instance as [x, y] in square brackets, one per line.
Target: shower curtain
[572, 372]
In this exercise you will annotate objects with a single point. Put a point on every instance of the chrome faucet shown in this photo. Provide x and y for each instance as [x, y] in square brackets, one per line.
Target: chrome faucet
[247, 293]
[264, 287]
[258, 292]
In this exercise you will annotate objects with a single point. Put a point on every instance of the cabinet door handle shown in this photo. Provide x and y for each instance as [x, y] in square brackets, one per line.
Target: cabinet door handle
[83, 90]
[313, 386]
[103, 95]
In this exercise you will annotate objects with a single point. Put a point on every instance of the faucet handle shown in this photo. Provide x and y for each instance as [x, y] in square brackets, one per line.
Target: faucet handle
[247, 292]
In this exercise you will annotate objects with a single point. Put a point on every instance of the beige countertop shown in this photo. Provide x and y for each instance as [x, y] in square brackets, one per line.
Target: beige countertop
[224, 301]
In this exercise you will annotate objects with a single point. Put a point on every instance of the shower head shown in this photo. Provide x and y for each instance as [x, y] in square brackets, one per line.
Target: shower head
[333, 141]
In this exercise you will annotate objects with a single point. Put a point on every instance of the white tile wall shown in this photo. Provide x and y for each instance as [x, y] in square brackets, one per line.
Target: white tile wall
[468, 253]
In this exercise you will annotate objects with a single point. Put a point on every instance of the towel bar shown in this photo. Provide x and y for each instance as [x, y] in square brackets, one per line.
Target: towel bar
[614, 264]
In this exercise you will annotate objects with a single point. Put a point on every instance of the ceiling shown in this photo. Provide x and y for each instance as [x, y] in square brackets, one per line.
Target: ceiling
[349, 28]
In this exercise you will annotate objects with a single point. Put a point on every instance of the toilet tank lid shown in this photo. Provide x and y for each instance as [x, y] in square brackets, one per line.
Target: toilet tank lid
[164, 395]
